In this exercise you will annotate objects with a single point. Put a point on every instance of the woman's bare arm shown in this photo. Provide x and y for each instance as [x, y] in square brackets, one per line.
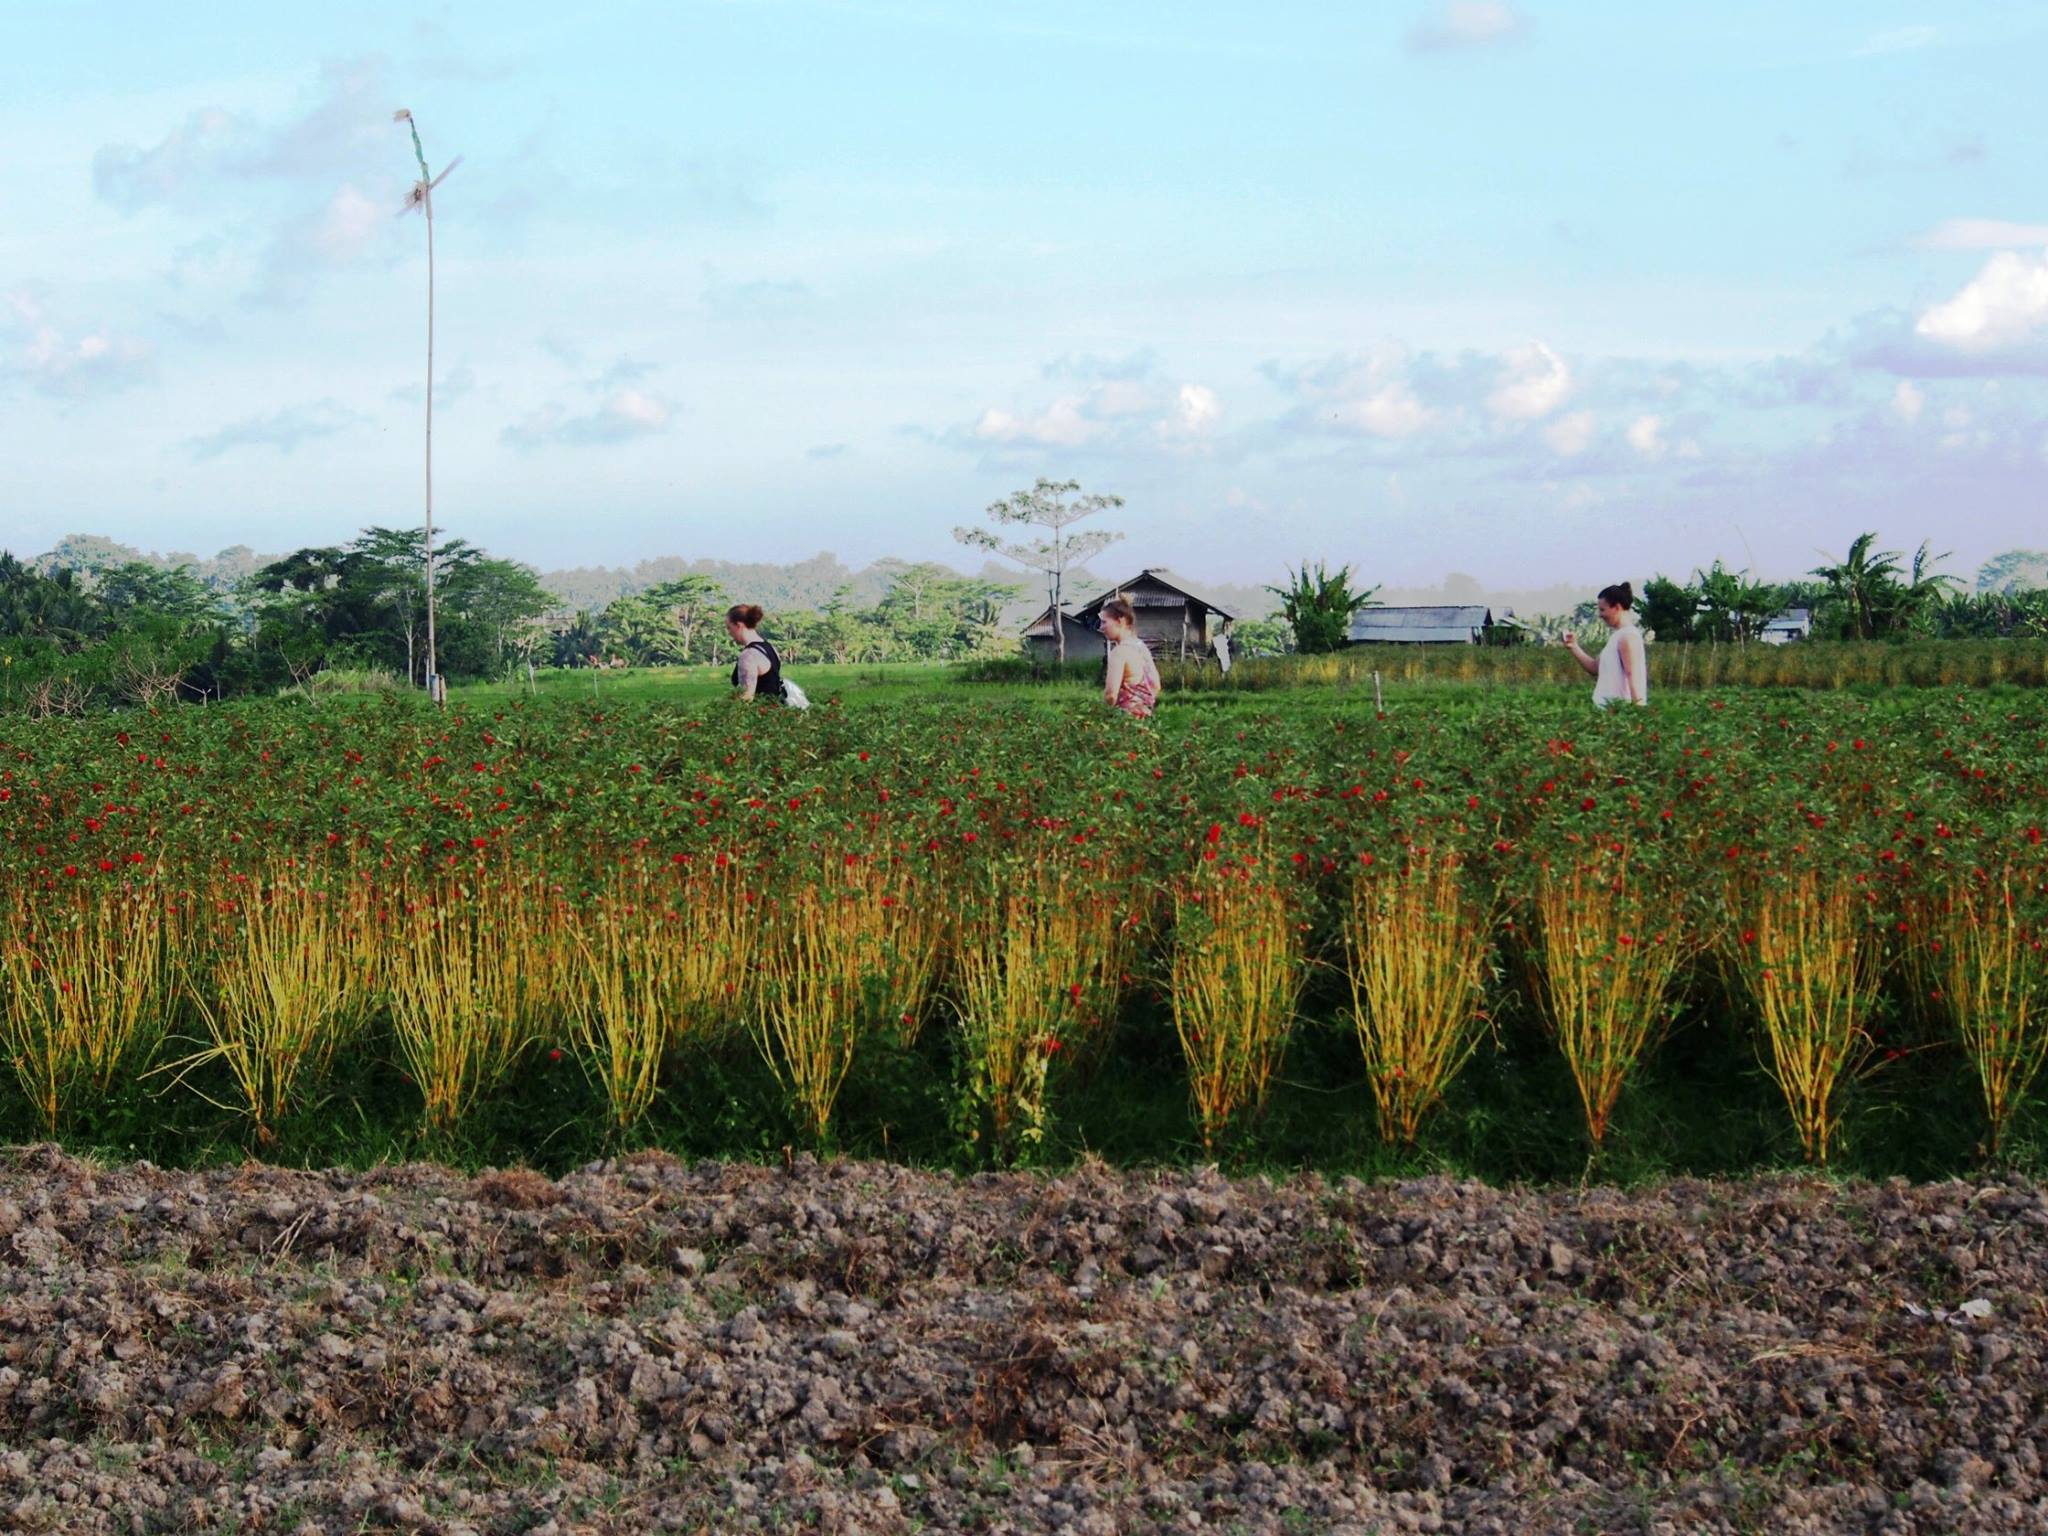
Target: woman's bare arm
[1113, 675]
[1632, 666]
[1579, 654]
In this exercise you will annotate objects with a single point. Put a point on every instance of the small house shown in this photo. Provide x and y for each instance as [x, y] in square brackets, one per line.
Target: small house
[1173, 617]
[1042, 644]
[1428, 624]
[1792, 624]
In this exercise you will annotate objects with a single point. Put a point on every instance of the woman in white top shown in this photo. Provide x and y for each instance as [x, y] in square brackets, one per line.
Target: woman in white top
[1621, 671]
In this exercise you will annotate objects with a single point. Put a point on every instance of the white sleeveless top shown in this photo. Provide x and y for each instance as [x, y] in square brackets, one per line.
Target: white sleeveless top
[1611, 687]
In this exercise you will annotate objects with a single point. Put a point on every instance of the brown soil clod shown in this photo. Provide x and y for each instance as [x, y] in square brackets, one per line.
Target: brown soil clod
[644, 1345]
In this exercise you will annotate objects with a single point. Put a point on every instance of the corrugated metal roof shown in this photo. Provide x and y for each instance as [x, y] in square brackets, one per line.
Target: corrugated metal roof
[1160, 576]
[1042, 625]
[1439, 623]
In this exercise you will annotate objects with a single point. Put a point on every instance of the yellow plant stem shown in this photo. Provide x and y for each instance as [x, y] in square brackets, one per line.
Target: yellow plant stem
[283, 994]
[1607, 955]
[1810, 967]
[462, 993]
[1417, 951]
[1237, 975]
[86, 990]
[1994, 982]
[1038, 965]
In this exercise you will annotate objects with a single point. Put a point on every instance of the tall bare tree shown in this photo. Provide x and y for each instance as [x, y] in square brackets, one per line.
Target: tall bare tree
[1054, 505]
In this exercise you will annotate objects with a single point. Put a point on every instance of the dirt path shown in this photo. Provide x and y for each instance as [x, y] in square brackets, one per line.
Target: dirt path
[861, 1348]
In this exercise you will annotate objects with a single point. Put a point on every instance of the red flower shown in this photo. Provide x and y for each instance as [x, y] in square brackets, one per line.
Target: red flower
[1215, 832]
[1586, 804]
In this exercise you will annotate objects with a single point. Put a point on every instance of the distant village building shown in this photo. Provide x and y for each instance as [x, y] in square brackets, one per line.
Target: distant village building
[1792, 624]
[1082, 639]
[1431, 624]
[1173, 618]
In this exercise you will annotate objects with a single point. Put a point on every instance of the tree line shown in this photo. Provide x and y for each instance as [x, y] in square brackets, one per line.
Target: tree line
[1868, 594]
[119, 629]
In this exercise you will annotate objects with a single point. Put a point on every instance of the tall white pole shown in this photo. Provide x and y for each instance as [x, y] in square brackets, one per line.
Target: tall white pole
[433, 669]
[424, 195]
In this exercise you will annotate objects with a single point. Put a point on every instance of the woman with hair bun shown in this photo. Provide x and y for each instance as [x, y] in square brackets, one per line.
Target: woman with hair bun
[1131, 680]
[758, 672]
[1621, 671]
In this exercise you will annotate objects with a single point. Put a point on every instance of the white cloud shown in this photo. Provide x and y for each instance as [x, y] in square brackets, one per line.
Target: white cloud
[323, 180]
[283, 430]
[2004, 305]
[625, 414]
[1907, 400]
[1896, 40]
[346, 230]
[1389, 411]
[171, 171]
[1197, 409]
[1570, 435]
[1533, 382]
[1646, 436]
[1982, 235]
[1059, 425]
[1372, 392]
[1127, 405]
[1122, 397]
[1463, 24]
[66, 363]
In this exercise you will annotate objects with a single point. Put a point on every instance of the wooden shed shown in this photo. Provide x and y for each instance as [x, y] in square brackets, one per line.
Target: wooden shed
[1431, 624]
[1083, 639]
[1174, 619]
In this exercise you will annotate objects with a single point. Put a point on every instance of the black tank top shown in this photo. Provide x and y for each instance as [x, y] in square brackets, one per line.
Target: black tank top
[769, 685]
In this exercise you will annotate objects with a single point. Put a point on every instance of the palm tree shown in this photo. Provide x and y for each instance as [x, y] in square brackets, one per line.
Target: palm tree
[1915, 601]
[1731, 605]
[1319, 604]
[1864, 584]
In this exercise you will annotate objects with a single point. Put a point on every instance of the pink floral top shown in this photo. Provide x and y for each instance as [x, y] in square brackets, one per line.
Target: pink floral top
[1138, 696]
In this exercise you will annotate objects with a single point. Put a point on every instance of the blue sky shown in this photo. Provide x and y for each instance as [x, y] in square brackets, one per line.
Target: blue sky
[1534, 291]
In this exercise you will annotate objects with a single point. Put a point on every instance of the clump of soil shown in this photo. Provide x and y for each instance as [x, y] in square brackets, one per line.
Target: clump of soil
[859, 1347]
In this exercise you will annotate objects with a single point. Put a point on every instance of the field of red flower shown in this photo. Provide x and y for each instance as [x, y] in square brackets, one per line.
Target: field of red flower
[262, 913]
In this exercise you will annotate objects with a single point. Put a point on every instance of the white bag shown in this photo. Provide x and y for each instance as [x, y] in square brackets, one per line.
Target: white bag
[794, 697]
